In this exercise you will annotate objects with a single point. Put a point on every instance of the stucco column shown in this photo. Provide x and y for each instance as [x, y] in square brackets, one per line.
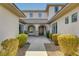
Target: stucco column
[45, 29]
[37, 29]
[26, 27]
[50, 26]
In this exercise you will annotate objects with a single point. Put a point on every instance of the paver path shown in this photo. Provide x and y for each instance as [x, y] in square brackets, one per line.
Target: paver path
[37, 47]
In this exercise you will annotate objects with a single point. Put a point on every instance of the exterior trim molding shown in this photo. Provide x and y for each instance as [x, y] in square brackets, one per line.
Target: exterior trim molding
[36, 23]
[13, 8]
[34, 10]
[36, 19]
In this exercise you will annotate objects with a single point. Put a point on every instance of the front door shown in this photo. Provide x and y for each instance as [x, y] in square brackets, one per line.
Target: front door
[41, 30]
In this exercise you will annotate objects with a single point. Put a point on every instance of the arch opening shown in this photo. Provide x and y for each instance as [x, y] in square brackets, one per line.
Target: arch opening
[31, 30]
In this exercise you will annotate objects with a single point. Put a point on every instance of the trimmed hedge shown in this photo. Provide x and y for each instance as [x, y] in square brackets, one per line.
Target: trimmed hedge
[9, 47]
[22, 39]
[68, 44]
[54, 38]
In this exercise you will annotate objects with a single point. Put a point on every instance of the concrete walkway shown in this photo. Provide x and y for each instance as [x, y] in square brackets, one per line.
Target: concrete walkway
[37, 47]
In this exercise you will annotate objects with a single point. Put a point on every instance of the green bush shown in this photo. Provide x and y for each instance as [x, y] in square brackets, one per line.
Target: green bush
[22, 39]
[47, 34]
[54, 38]
[25, 32]
[9, 47]
[50, 36]
[68, 44]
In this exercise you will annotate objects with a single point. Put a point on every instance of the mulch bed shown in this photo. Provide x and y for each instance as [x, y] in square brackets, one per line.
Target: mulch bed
[22, 51]
[53, 50]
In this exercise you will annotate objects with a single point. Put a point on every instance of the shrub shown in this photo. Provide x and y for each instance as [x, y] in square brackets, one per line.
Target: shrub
[25, 32]
[47, 34]
[68, 44]
[54, 38]
[22, 39]
[50, 36]
[9, 47]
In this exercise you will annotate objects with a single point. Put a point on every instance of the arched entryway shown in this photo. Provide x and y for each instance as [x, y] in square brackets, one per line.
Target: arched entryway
[31, 30]
[42, 30]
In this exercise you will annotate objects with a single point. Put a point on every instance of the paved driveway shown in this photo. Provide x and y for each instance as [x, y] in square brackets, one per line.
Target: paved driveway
[37, 47]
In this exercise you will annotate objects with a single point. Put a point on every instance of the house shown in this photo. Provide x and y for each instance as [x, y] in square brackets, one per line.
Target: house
[56, 18]
[37, 20]
[9, 20]
[66, 20]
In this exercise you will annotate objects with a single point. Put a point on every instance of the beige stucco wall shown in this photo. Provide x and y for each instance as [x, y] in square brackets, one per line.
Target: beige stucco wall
[36, 15]
[9, 24]
[52, 11]
[71, 28]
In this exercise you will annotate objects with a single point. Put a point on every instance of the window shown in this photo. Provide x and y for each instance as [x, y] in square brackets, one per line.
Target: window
[74, 17]
[40, 14]
[66, 20]
[56, 8]
[54, 28]
[31, 14]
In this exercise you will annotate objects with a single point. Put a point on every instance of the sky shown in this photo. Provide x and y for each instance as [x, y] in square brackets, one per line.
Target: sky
[32, 6]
